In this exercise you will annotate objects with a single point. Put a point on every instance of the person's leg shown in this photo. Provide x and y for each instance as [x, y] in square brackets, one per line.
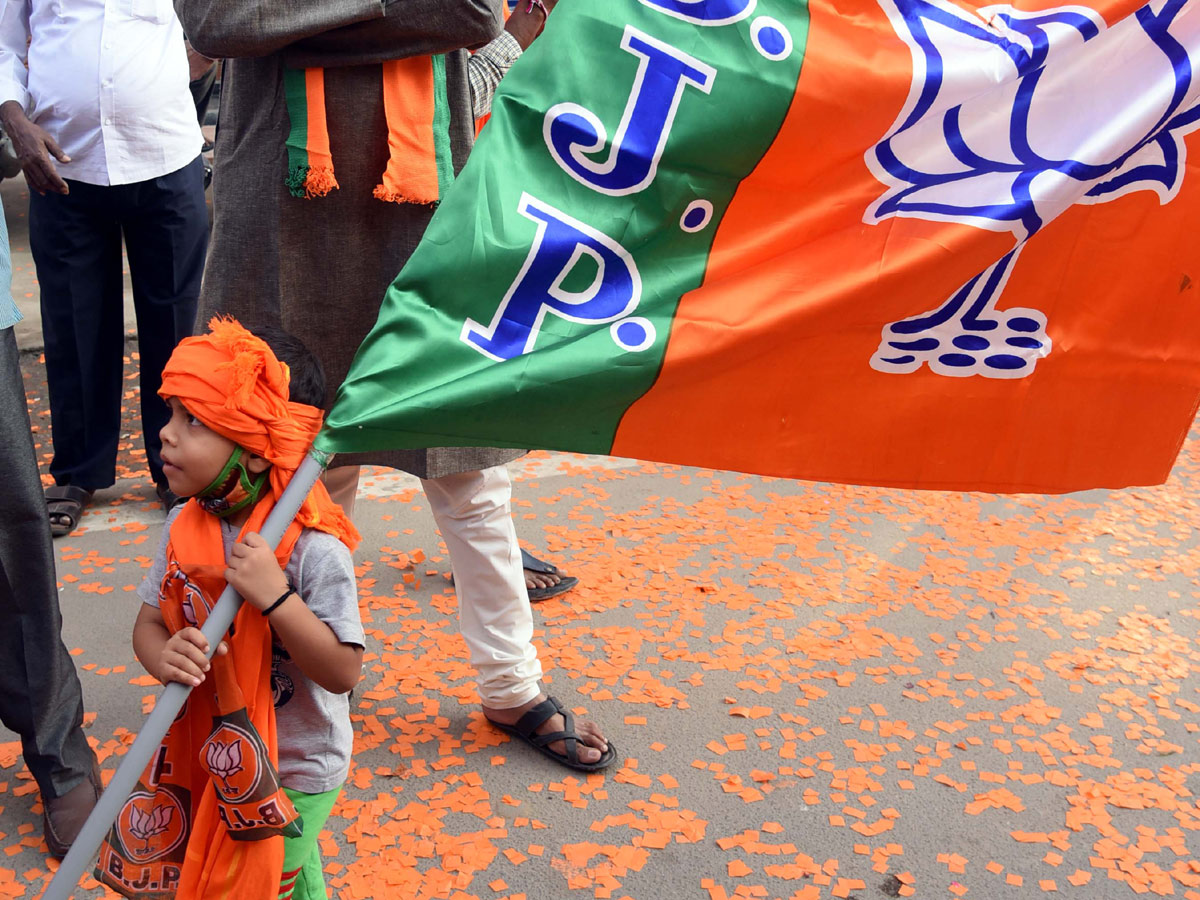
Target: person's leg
[40, 696]
[76, 246]
[473, 511]
[303, 875]
[342, 484]
[165, 223]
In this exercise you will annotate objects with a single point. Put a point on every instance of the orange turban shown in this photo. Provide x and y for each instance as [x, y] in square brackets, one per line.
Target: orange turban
[231, 381]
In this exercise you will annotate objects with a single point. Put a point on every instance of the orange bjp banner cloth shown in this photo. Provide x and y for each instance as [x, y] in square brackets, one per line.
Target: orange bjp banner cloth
[208, 817]
[1111, 285]
[942, 244]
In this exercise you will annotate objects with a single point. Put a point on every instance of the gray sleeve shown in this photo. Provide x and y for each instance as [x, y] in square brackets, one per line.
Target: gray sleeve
[487, 67]
[325, 581]
[407, 28]
[230, 28]
[147, 591]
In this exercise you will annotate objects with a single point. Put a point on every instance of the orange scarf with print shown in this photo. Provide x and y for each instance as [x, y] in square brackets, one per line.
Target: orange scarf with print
[206, 820]
[420, 166]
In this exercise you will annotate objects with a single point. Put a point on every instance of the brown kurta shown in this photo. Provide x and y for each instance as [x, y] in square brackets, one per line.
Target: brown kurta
[320, 267]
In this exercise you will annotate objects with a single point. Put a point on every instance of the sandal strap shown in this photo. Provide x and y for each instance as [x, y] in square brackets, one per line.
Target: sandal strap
[533, 719]
[67, 493]
[533, 564]
[569, 736]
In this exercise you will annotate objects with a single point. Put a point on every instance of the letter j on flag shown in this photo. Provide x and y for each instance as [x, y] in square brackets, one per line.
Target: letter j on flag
[915, 243]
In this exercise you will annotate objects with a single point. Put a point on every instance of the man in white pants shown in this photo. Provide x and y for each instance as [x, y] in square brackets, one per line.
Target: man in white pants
[320, 265]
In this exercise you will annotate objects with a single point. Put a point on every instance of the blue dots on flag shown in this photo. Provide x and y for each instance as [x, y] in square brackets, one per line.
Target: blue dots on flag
[1022, 323]
[958, 360]
[771, 38]
[971, 342]
[697, 216]
[1025, 343]
[1006, 361]
[922, 344]
[633, 334]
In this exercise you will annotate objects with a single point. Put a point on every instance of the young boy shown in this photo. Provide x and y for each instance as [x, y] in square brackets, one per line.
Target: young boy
[244, 411]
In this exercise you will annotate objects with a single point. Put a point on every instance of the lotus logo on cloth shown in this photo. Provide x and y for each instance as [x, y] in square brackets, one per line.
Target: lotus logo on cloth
[156, 820]
[233, 762]
[143, 856]
[1012, 118]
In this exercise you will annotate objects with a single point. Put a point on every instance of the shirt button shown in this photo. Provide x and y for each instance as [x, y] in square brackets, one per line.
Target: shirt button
[108, 45]
[108, 121]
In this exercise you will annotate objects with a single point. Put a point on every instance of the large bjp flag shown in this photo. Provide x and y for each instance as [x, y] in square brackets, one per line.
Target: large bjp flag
[923, 243]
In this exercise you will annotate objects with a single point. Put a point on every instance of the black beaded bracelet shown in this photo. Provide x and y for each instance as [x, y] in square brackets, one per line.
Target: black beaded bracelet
[274, 606]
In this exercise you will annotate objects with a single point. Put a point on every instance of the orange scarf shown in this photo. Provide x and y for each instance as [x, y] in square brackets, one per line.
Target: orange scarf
[212, 830]
[415, 104]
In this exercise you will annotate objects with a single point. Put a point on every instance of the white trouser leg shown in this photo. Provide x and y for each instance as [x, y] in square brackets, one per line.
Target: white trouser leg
[473, 511]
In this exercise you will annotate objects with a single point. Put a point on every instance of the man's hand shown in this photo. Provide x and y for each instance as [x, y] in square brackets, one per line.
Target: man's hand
[528, 20]
[184, 657]
[34, 148]
[198, 63]
[254, 572]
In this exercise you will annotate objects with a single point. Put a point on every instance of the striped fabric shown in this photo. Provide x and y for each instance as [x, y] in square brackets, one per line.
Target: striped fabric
[287, 884]
[419, 164]
[485, 69]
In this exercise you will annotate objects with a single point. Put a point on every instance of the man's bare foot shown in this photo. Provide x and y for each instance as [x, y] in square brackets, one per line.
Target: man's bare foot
[544, 580]
[593, 743]
[535, 580]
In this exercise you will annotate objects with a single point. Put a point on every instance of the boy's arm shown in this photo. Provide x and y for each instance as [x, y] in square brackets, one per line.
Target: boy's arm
[181, 657]
[150, 636]
[312, 645]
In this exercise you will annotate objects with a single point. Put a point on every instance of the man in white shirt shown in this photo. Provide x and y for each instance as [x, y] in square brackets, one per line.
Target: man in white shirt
[94, 95]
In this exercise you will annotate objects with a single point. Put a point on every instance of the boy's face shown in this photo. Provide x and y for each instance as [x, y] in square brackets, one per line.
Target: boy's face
[192, 453]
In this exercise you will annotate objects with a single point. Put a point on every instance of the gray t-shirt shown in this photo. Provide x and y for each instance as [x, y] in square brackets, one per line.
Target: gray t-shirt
[312, 725]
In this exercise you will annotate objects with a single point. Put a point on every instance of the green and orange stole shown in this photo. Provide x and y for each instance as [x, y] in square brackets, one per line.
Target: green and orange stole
[417, 108]
[206, 820]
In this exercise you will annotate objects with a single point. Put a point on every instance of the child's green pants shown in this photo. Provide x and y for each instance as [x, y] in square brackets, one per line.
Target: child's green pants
[303, 874]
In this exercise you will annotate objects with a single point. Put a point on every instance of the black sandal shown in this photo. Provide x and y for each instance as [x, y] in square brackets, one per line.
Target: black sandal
[65, 501]
[533, 564]
[527, 726]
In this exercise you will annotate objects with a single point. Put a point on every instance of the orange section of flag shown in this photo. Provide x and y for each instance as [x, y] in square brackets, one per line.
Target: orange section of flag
[774, 347]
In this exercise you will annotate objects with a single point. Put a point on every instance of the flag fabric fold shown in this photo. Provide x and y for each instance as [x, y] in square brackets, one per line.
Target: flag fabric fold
[924, 243]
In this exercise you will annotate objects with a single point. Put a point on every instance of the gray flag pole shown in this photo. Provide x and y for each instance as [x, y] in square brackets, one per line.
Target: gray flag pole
[171, 700]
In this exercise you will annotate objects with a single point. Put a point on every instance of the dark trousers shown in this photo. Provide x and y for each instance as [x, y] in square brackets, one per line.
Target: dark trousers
[76, 244]
[40, 697]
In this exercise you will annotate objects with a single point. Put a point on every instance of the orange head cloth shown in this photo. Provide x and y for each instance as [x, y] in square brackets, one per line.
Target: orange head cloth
[231, 381]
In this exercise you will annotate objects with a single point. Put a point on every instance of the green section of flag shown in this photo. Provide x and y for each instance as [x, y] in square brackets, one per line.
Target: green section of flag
[416, 383]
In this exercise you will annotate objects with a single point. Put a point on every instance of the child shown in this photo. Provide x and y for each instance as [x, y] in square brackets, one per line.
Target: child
[206, 822]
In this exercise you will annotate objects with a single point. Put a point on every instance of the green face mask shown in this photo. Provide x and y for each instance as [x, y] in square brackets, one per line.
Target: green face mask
[233, 489]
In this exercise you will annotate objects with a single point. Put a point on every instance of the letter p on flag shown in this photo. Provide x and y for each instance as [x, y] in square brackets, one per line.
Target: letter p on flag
[560, 245]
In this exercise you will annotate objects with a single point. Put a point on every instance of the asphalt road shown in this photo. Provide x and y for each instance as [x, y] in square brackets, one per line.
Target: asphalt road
[818, 691]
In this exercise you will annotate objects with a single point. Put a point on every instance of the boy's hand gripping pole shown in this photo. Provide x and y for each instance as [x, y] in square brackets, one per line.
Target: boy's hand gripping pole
[171, 700]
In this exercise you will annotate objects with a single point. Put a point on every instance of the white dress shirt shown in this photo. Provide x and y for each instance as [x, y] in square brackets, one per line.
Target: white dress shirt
[139, 121]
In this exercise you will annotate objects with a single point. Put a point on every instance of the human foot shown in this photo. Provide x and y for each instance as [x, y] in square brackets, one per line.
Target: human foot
[64, 505]
[548, 728]
[543, 580]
